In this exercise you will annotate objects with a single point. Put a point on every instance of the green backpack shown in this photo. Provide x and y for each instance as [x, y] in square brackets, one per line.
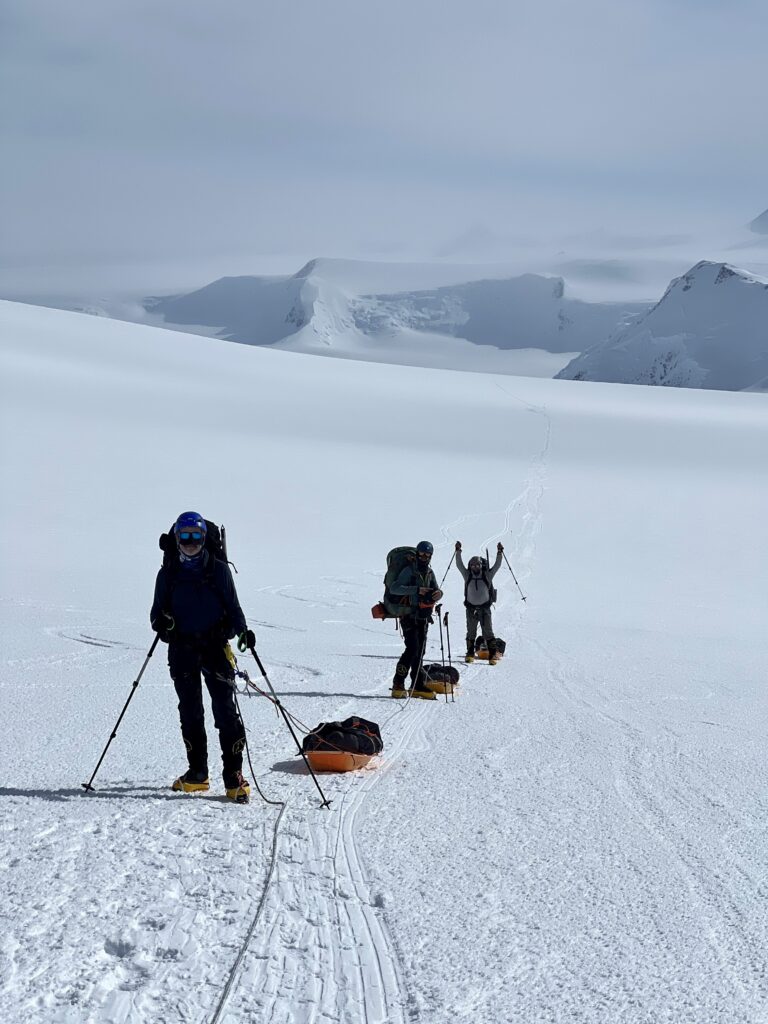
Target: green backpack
[397, 560]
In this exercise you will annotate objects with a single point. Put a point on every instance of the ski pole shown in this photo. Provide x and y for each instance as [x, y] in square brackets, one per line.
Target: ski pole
[281, 709]
[442, 581]
[448, 638]
[87, 786]
[439, 609]
[513, 576]
[423, 651]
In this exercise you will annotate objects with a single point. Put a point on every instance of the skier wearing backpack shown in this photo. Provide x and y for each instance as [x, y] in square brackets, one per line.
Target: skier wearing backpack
[479, 595]
[196, 612]
[417, 587]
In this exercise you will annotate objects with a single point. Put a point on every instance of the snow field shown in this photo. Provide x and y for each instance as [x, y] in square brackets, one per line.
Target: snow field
[579, 837]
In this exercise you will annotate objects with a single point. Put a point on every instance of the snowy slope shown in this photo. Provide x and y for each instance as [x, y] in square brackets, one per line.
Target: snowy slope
[709, 330]
[580, 836]
[379, 312]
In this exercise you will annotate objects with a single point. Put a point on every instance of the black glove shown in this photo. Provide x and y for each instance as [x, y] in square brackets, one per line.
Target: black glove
[163, 625]
[246, 640]
[458, 545]
[499, 546]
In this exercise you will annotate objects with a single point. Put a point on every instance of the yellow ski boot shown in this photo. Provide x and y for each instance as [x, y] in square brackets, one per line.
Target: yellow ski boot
[191, 782]
[238, 788]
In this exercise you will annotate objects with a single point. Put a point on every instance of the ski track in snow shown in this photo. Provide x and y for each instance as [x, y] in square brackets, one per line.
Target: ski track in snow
[320, 903]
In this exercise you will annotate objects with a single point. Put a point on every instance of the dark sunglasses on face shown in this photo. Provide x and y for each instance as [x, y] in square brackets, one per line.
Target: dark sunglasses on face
[191, 537]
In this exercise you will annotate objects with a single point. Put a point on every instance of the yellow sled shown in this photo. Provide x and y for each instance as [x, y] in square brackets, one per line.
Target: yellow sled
[481, 651]
[440, 686]
[336, 760]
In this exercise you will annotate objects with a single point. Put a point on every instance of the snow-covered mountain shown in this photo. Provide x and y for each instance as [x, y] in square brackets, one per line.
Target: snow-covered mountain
[760, 224]
[368, 311]
[709, 330]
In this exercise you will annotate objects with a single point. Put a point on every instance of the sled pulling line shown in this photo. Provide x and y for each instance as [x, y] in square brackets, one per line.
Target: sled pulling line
[256, 917]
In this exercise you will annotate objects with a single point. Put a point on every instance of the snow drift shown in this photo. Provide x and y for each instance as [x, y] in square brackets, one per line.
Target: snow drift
[709, 330]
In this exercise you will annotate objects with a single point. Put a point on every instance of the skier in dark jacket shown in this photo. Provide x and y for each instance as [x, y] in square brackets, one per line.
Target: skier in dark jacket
[196, 612]
[416, 582]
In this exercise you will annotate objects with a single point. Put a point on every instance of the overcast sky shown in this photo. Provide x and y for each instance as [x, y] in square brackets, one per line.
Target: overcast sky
[201, 135]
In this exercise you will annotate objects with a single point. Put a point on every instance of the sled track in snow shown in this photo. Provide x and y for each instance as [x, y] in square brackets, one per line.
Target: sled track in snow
[319, 947]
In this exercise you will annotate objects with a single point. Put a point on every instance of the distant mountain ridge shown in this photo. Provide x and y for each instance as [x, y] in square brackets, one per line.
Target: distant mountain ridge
[709, 330]
[330, 307]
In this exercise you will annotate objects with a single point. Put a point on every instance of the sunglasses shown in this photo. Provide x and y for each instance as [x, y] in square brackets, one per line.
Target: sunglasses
[191, 537]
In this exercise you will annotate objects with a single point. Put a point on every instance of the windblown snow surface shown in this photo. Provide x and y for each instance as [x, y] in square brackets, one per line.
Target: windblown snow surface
[581, 836]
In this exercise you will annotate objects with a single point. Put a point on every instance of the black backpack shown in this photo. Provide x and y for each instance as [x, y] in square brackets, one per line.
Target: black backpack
[215, 543]
[481, 645]
[353, 736]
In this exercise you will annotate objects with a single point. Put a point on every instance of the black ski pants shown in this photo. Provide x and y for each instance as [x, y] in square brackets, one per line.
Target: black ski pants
[187, 661]
[415, 636]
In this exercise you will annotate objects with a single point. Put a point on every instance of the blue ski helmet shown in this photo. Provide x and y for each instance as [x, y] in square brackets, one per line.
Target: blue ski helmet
[189, 521]
[424, 550]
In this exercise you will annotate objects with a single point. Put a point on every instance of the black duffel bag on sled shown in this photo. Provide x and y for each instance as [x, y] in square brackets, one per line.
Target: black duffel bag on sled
[342, 746]
[441, 678]
[442, 673]
[481, 647]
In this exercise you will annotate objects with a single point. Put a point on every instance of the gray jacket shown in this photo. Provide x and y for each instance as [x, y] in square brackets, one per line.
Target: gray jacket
[477, 589]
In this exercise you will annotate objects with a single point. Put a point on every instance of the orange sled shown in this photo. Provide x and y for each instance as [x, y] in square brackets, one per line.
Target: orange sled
[336, 760]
